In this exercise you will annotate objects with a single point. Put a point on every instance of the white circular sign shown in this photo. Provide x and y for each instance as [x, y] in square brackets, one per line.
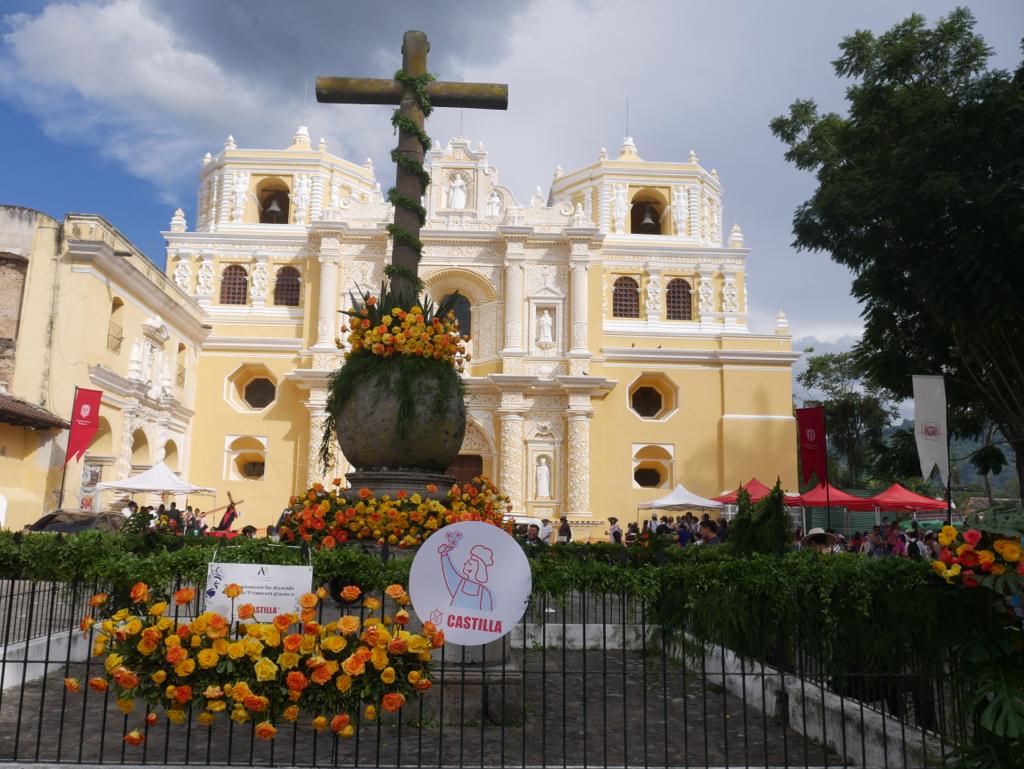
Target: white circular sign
[472, 580]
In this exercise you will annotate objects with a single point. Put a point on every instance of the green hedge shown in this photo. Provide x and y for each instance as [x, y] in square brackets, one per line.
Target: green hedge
[879, 613]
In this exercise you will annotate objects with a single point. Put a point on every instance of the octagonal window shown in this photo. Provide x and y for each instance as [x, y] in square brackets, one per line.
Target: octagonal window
[646, 401]
[647, 477]
[260, 393]
[653, 396]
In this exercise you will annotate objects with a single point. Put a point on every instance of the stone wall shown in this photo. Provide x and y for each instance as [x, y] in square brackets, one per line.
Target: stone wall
[12, 287]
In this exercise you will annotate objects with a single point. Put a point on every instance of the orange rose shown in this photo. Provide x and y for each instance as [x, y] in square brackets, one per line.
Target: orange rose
[296, 681]
[85, 624]
[392, 701]
[348, 624]
[322, 674]
[151, 719]
[402, 617]
[139, 592]
[308, 600]
[398, 646]
[233, 590]
[246, 611]
[255, 703]
[339, 722]
[423, 684]
[135, 738]
[283, 621]
[292, 642]
[265, 731]
[438, 640]
[394, 591]
[176, 654]
[218, 627]
[98, 684]
[291, 713]
[351, 592]
[184, 596]
[98, 600]
[183, 694]
[72, 684]
[126, 679]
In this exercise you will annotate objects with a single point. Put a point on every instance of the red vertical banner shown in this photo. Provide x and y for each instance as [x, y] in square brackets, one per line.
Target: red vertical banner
[810, 426]
[85, 420]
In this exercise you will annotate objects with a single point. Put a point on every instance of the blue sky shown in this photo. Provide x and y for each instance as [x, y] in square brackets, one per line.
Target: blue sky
[107, 106]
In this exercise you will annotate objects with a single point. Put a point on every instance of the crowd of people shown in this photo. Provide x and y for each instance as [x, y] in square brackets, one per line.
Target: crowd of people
[884, 539]
[188, 522]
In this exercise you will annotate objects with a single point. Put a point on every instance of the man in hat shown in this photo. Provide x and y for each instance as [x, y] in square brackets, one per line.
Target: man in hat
[545, 531]
[819, 539]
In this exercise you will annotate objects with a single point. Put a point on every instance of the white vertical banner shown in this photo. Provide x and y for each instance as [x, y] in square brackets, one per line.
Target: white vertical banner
[930, 425]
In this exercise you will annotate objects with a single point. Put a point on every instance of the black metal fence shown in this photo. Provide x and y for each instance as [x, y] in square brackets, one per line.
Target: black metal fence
[587, 682]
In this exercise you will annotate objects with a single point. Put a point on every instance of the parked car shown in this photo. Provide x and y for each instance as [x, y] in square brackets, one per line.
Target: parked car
[74, 521]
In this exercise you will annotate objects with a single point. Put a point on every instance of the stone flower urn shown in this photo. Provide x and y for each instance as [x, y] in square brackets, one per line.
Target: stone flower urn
[392, 451]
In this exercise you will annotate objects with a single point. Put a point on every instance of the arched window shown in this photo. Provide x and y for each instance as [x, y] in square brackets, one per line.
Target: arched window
[274, 205]
[234, 285]
[645, 219]
[115, 329]
[246, 458]
[625, 298]
[140, 449]
[679, 300]
[462, 314]
[171, 455]
[286, 287]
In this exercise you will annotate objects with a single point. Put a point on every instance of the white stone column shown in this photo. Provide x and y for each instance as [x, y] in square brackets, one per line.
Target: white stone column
[706, 297]
[316, 206]
[652, 295]
[578, 496]
[227, 192]
[514, 255]
[510, 451]
[327, 304]
[317, 413]
[693, 211]
[579, 298]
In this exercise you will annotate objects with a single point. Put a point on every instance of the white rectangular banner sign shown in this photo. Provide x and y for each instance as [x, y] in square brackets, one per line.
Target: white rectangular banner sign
[930, 425]
[272, 590]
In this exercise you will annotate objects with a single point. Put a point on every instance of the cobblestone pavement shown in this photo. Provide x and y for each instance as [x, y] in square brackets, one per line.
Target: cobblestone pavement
[580, 709]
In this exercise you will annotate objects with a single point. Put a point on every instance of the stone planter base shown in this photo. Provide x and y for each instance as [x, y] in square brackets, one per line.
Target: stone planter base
[410, 480]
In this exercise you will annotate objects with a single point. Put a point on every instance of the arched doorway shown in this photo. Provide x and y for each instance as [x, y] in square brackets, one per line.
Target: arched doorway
[466, 467]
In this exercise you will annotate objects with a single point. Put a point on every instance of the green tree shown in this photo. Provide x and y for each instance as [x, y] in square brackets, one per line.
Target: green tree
[856, 411]
[920, 192]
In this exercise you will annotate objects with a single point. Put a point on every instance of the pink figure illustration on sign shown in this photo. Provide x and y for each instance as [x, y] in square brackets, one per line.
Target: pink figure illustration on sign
[466, 586]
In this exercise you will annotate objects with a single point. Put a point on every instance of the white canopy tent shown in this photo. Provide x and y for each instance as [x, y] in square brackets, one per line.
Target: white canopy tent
[680, 498]
[159, 479]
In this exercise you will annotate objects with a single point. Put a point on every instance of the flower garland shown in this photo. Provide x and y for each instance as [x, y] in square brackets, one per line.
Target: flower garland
[980, 559]
[326, 518]
[337, 673]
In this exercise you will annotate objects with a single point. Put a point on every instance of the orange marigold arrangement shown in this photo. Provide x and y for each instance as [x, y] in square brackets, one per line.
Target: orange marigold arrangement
[325, 517]
[415, 331]
[980, 559]
[335, 674]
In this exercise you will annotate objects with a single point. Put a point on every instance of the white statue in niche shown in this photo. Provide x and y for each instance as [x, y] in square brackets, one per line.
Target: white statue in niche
[543, 478]
[494, 204]
[457, 192]
[545, 329]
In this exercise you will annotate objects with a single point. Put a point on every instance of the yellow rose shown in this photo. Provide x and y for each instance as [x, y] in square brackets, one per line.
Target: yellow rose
[158, 677]
[271, 636]
[343, 682]
[185, 667]
[308, 644]
[126, 706]
[418, 644]
[113, 661]
[937, 566]
[379, 658]
[217, 705]
[986, 557]
[206, 718]
[265, 669]
[254, 649]
[99, 645]
[176, 716]
[172, 640]
[119, 615]
[287, 660]
[134, 626]
[208, 658]
[158, 608]
[413, 677]
[387, 675]
[220, 646]
[1011, 552]
[236, 650]
[165, 623]
[196, 642]
[291, 713]
[947, 535]
[239, 715]
[334, 643]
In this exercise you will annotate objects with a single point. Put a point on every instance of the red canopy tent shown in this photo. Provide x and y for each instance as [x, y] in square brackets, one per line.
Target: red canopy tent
[757, 492]
[897, 499]
[816, 498]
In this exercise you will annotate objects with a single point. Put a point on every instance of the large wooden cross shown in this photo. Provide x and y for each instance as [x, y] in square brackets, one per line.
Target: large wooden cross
[365, 90]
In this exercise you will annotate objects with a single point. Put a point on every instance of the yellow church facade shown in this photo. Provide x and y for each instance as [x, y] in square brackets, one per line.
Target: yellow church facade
[612, 357]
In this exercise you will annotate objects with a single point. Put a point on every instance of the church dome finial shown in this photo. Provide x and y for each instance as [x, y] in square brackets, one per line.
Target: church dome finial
[628, 148]
[301, 138]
